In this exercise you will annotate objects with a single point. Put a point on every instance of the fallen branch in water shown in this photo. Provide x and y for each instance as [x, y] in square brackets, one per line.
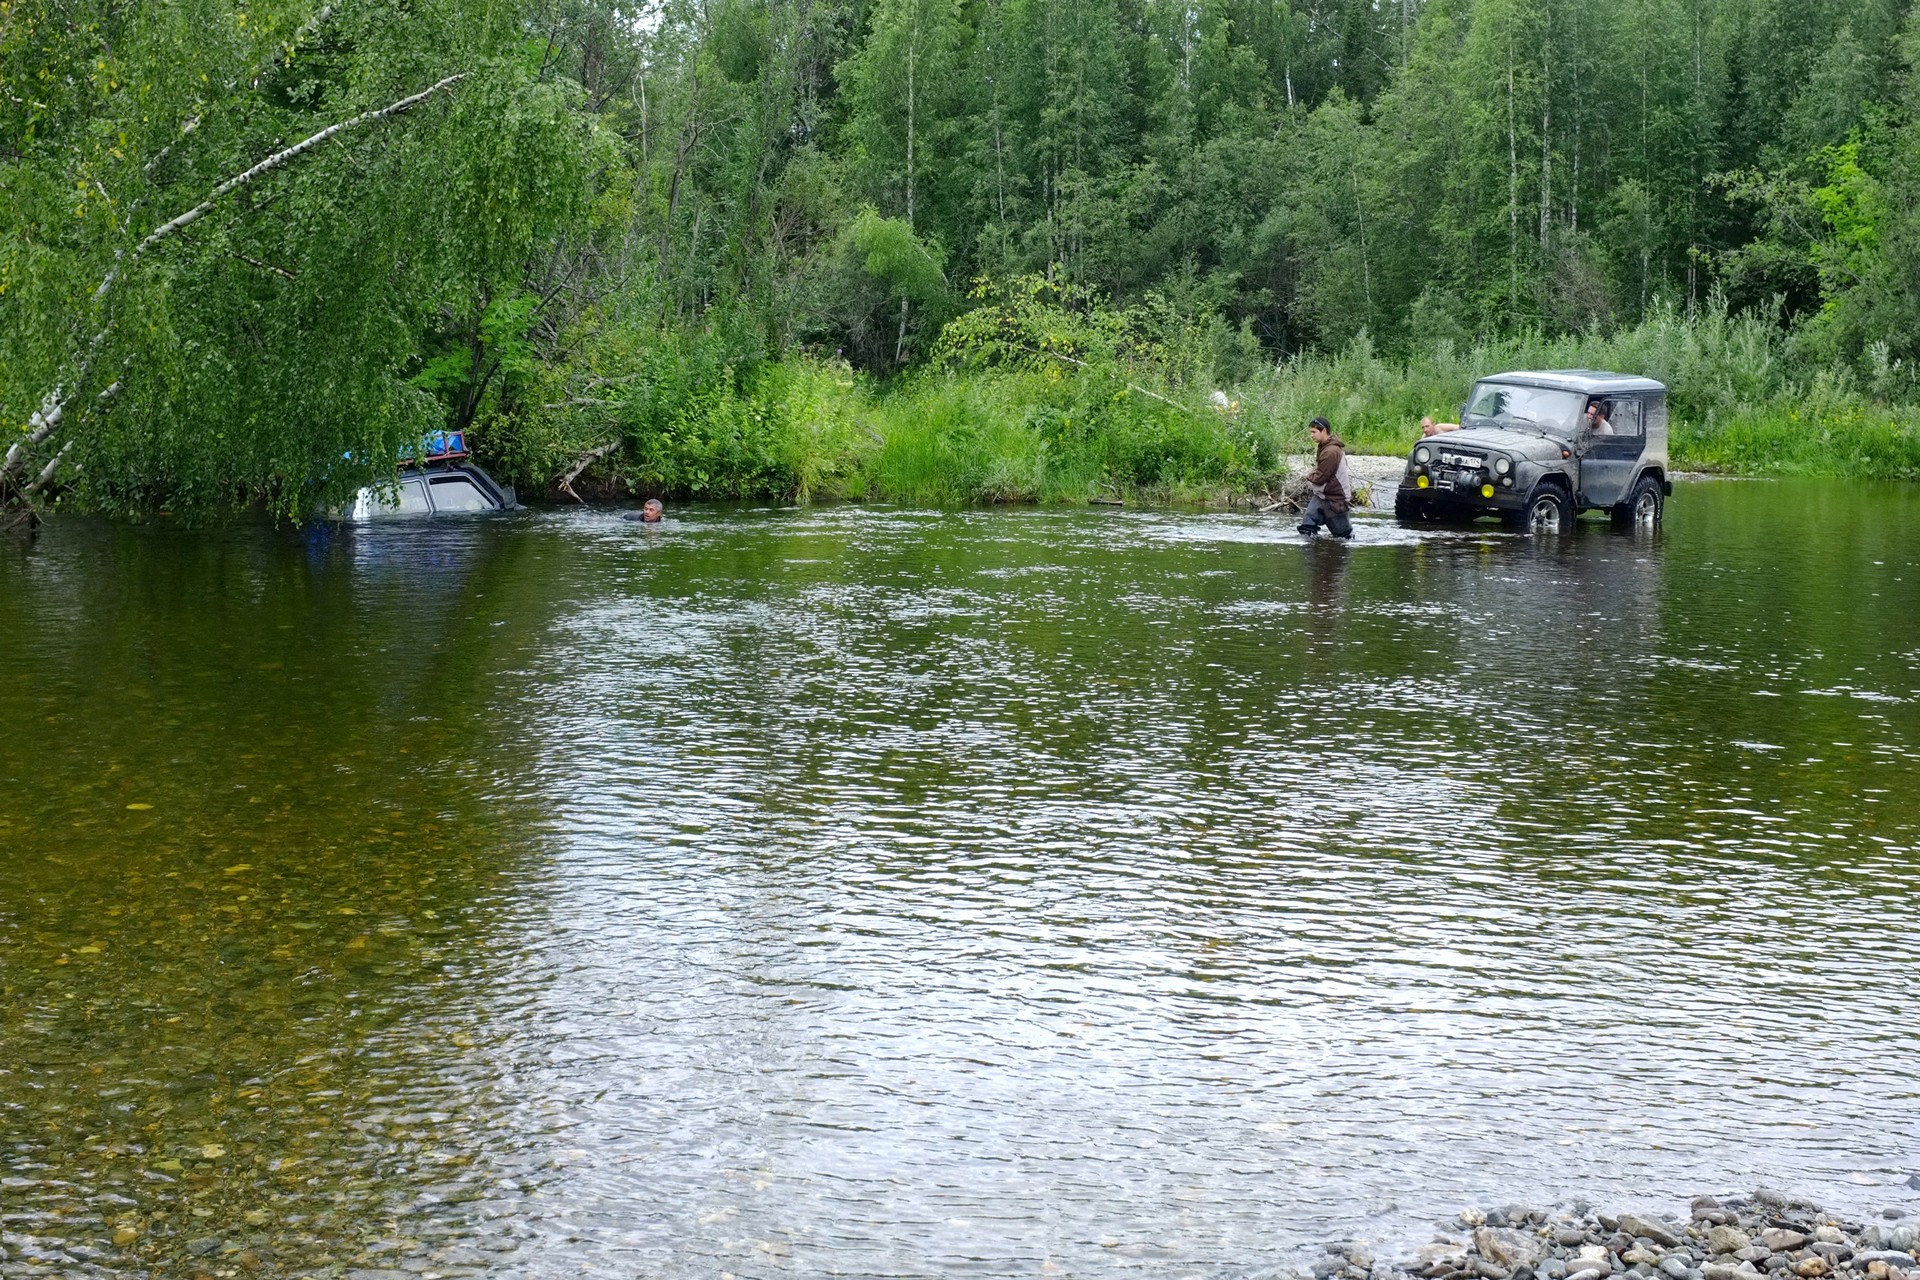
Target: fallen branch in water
[580, 465]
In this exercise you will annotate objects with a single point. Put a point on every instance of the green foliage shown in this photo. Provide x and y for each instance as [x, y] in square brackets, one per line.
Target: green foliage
[1042, 325]
[893, 255]
[644, 234]
[268, 352]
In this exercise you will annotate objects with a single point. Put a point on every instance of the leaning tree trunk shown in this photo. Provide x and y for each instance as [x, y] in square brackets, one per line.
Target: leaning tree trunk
[52, 415]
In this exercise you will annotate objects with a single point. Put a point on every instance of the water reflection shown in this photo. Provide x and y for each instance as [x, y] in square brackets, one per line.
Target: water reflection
[891, 893]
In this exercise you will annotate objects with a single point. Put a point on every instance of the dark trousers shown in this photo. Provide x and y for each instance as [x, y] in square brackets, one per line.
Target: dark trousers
[1319, 513]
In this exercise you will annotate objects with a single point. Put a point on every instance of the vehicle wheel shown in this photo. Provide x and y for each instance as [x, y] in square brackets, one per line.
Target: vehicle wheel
[1644, 506]
[1547, 512]
[1405, 508]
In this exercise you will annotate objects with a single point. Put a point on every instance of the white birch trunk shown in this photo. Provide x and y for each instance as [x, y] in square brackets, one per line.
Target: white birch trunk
[53, 407]
[1513, 182]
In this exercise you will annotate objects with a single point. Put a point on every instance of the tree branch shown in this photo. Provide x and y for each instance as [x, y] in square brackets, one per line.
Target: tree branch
[266, 266]
[1082, 364]
[53, 407]
[278, 159]
[46, 420]
[47, 472]
[587, 459]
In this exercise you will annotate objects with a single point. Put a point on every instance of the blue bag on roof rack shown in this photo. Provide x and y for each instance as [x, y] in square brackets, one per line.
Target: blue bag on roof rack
[439, 446]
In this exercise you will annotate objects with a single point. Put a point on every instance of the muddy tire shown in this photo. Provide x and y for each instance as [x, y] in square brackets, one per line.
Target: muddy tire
[1411, 509]
[1644, 507]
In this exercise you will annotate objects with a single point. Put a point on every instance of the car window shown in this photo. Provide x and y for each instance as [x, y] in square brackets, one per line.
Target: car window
[412, 499]
[1626, 417]
[457, 493]
[1656, 414]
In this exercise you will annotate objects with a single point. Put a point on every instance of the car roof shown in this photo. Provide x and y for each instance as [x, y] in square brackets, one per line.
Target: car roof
[1591, 381]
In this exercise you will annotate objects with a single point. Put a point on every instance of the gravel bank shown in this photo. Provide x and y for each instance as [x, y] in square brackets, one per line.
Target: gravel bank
[1765, 1236]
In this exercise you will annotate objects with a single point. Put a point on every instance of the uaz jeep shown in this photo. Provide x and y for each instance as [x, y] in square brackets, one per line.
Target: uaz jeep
[1536, 449]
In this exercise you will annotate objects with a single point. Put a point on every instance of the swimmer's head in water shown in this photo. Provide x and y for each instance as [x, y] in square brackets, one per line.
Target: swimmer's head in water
[652, 511]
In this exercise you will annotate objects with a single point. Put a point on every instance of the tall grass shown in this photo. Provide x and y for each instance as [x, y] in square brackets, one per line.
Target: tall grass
[805, 429]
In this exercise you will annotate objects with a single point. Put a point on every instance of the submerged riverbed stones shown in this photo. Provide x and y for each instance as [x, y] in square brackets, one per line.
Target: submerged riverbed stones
[1767, 1236]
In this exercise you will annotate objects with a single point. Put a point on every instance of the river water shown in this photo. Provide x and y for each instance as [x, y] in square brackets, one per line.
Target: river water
[1002, 893]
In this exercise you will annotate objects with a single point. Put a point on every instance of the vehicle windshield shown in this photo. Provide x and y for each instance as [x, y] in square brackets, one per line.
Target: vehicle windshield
[1505, 404]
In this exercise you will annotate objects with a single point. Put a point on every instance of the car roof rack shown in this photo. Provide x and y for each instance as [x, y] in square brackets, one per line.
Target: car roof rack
[438, 446]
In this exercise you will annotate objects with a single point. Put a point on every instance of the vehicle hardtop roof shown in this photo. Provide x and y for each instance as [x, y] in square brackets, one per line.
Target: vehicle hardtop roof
[1594, 382]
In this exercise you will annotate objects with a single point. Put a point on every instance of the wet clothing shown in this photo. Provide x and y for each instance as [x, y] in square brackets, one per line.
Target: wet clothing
[1320, 513]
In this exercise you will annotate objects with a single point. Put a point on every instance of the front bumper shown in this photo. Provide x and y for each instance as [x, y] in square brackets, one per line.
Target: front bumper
[1458, 498]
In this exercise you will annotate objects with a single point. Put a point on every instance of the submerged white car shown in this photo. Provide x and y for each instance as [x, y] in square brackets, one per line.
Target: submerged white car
[441, 483]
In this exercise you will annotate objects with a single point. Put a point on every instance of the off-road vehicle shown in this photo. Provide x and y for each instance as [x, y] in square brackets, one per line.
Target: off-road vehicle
[1537, 449]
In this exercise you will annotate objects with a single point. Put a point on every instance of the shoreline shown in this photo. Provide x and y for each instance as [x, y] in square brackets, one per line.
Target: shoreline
[1767, 1235]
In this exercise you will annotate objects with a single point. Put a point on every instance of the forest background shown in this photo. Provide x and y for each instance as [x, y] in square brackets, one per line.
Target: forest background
[931, 250]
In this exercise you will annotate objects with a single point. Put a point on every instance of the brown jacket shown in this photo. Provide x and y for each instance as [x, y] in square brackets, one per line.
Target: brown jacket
[1325, 475]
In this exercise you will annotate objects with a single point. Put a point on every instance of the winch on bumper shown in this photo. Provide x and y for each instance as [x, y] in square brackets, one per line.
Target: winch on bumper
[1455, 481]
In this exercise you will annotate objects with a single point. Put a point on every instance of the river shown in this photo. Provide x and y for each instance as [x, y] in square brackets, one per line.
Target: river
[866, 892]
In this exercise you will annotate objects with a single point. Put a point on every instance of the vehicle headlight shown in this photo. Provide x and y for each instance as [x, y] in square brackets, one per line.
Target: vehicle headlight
[1503, 465]
[1422, 454]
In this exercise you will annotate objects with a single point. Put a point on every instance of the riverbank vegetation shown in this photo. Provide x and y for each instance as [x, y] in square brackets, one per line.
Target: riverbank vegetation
[932, 250]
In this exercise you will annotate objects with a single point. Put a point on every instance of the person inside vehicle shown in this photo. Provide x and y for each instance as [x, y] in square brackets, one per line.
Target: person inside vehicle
[1598, 413]
[1328, 480]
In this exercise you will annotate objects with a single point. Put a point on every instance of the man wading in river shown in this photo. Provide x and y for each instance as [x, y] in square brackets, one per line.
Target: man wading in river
[1328, 480]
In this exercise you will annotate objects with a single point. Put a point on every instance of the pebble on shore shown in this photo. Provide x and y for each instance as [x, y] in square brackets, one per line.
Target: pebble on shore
[1765, 1236]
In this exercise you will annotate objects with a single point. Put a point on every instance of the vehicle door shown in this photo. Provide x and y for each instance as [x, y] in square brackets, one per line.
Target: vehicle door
[1611, 461]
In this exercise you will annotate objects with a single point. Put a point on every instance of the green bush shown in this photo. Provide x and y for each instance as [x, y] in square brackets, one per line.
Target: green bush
[1042, 397]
